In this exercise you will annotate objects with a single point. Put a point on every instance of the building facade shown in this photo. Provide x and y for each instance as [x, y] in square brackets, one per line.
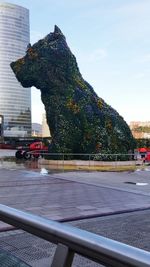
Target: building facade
[15, 101]
[45, 128]
[140, 129]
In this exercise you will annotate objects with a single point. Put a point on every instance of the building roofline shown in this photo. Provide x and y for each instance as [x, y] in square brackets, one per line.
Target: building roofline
[2, 3]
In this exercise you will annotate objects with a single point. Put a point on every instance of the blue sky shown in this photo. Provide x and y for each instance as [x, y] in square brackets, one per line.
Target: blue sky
[111, 41]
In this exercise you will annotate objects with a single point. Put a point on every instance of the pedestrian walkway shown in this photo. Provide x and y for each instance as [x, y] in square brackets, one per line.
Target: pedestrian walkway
[63, 199]
[70, 196]
[135, 182]
[7, 153]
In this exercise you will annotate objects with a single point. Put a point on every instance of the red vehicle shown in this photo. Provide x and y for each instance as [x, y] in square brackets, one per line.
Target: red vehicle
[34, 149]
[147, 157]
[144, 154]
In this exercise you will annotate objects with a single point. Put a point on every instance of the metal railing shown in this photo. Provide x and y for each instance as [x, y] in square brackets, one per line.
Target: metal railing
[71, 240]
[87, 157]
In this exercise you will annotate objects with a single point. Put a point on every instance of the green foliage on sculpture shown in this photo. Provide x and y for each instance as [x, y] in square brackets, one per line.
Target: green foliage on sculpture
[79, 121]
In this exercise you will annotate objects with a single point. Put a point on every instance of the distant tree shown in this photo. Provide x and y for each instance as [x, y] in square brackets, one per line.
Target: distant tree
[144, 142]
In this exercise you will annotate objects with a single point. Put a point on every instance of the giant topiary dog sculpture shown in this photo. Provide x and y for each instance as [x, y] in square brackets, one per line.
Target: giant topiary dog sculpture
[79, 121]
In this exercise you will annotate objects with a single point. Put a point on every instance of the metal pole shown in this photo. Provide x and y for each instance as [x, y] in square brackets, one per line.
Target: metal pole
[116, 161]
[89, 160]
[63, 162]
[63, 257]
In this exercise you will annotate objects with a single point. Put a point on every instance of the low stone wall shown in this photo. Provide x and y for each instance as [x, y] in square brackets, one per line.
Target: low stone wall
[87, 163]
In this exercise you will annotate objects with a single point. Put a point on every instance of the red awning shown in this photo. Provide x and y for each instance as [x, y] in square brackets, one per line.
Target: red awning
[142, 149]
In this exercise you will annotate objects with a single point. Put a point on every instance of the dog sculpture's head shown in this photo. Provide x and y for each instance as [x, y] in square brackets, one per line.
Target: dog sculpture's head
[47, 62]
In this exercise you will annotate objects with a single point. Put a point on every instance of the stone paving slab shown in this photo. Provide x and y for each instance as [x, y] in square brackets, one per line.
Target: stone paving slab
[63, 199]
[130, 228]
[124, 181]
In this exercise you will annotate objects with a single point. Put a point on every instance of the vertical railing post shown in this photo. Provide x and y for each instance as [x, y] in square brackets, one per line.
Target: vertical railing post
[63, 162]
[89, 160]
[116, 161]
[57, 161]
[63, 256]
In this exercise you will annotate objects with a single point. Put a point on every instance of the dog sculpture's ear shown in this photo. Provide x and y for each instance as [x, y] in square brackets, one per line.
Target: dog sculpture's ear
[57, 30]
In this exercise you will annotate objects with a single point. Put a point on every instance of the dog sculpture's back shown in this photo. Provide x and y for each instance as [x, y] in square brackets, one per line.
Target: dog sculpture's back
[79, 121]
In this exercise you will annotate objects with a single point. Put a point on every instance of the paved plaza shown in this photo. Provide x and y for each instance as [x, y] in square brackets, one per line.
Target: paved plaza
[54, 197]
[115, 205]
[134, 182]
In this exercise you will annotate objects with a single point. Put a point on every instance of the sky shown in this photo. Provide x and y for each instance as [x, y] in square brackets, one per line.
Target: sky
[111, 42]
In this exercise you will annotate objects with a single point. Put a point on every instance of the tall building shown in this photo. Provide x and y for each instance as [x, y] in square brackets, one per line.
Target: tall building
[15, 101]
[36, 129]
[45, 128]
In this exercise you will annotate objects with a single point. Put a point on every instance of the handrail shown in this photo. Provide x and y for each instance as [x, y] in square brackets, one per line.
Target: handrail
[45, 152]
[100, 249]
